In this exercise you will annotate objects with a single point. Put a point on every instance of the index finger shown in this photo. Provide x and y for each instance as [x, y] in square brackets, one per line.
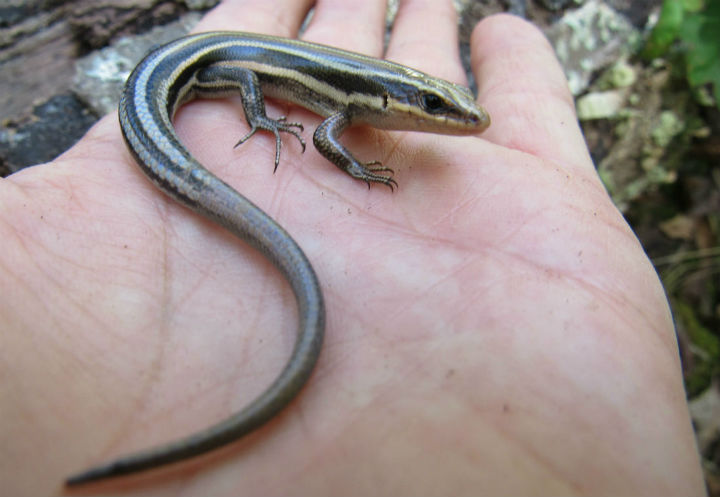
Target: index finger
[522, 85]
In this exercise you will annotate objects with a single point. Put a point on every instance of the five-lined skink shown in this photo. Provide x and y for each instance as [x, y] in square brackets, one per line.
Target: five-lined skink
[345, 88]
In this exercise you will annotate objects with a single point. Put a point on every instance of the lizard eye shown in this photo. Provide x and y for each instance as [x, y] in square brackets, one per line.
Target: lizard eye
[432, 103]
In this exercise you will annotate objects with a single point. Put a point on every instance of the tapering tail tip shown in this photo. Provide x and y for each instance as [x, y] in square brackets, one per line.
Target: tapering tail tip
[91, 475]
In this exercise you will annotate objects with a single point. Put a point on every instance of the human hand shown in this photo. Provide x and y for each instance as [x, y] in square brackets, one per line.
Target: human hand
[493, 326]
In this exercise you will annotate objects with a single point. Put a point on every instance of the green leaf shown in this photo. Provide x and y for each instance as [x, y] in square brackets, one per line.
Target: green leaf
[700, 31]
[706, 363]
[666, 30]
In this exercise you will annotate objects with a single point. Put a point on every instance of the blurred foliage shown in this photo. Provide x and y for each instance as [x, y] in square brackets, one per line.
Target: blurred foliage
[696, 25]
[659, 158]
[706, 347]
[702, 357]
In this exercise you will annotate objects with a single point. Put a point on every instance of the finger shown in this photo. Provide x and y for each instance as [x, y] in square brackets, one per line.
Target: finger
[277, 17]
[348, 24]
[433, 48]
[522, 85]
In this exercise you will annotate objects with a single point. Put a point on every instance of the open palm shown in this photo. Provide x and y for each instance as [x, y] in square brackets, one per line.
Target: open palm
[493, 326]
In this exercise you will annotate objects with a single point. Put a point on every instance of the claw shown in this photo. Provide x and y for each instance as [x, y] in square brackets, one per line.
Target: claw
[245, 138]
[297, 135]
[278, 145]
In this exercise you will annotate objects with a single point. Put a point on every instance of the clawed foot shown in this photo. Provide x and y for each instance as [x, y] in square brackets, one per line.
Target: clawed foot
[275, 126]
[372, 172]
